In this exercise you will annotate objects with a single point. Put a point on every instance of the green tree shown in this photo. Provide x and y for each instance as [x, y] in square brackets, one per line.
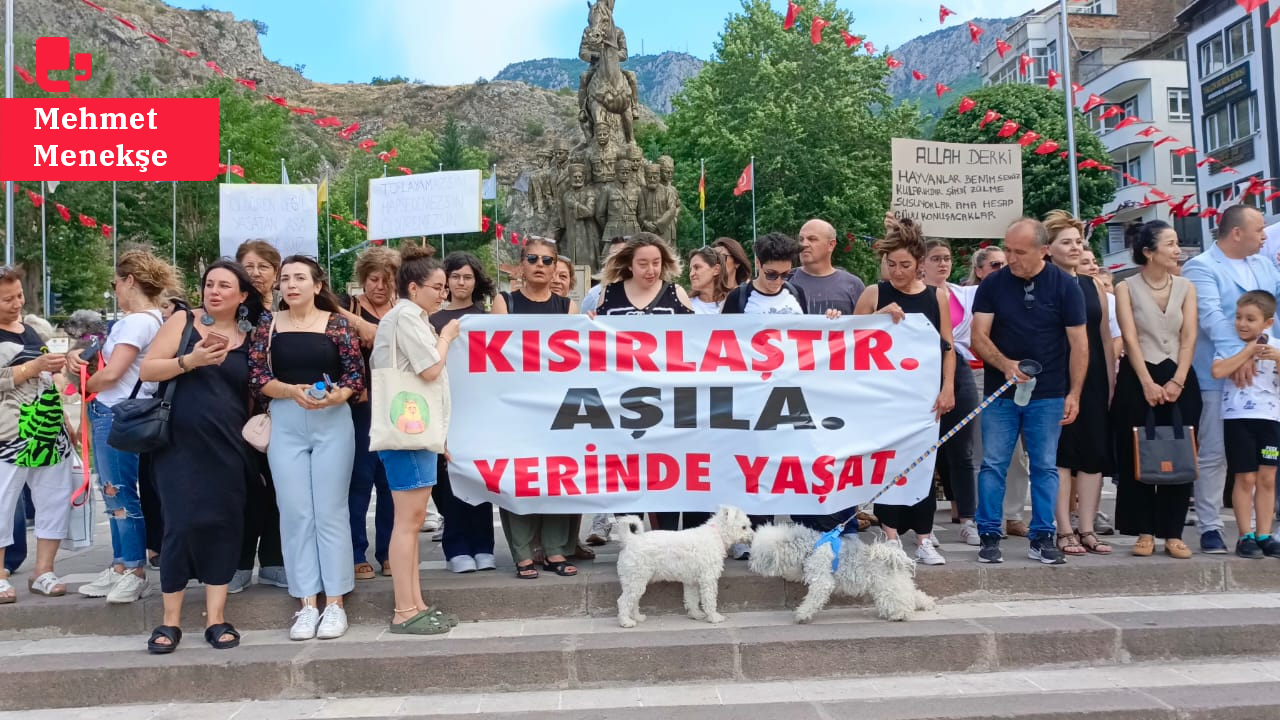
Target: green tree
[818, 120]
[1045, 184]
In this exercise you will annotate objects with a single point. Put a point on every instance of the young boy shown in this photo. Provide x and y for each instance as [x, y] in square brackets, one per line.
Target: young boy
[1251, 420]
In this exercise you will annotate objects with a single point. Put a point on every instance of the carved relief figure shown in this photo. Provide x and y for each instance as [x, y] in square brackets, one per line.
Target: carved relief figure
[578, 218]
[618, 207]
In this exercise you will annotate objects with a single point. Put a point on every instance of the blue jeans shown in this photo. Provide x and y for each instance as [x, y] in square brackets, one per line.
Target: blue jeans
[118, 478]
[367, 474]
[1001, 423]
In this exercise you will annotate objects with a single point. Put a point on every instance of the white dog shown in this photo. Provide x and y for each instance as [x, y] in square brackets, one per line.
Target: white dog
[881, 571]
[694, 557]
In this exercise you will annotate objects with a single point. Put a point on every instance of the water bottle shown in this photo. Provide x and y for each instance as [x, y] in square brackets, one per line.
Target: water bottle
[1022, 395]
[317, 391]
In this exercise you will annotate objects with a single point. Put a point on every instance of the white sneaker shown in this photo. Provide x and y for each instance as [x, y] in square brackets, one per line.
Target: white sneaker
[486, 561]
[463, 564]
[927, 554]
[969, 533]
[128, 589]
[102, 584]
[333, 623]
[304, 623]
[432, 522]
[933, 540]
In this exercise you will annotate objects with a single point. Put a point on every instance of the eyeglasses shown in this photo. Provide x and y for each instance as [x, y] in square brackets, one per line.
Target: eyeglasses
[773, 275]
[547, 260]
[436, 288]
[995, 264]
[941, 259]
[1028, 299]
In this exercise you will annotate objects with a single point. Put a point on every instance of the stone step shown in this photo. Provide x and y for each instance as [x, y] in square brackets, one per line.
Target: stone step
[1222, 690]
[593, 593]
[583, 653]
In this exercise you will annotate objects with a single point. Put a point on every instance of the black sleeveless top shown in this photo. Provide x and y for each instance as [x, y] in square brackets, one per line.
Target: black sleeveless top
[924, 302]
[518, 304]
[614, 301]
[304, 358]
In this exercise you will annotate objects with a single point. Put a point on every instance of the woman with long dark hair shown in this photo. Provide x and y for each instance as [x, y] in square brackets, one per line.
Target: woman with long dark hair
[203, 473]
[308, 363]
[736, 265]
[708, 281]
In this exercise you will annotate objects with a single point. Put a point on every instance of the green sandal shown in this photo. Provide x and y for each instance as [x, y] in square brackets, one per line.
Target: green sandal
[424, 623]
[448, 618]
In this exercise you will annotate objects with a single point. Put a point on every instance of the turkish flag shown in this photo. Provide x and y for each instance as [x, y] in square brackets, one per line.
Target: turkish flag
[792, 11]
[36, 200]
[367, 145]
[941, 89]
[1047, 147]
[1024, 63]
[1008, 129]
[918, 75]
[975, 32]
[746, 181]
[1131, 120]
[989, 117]
[850, 40]
[484, 223]
[1054, 77]
[1111, 112]
[1093, 102]
[1275, 18]
[965, 106]
[87, 221]
[1251, 5]
[348, 131]
[106, 231]
[1002, 47]
[247, 83]
[893, 62]
[943, 13]
[63, 211]
[1087, 164]
[815, 29]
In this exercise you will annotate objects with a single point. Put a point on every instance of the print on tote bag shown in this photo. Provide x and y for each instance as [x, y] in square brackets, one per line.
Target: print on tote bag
[410, 413]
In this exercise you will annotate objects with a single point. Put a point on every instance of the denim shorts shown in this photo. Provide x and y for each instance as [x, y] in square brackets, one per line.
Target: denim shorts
[409, 469]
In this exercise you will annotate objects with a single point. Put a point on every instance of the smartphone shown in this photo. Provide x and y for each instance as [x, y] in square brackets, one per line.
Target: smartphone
[215, 341]
[59, 345]
[1262, 339]
[90, 353]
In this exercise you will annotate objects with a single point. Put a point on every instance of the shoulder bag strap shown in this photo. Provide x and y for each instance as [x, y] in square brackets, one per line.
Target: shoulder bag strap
[182, 346]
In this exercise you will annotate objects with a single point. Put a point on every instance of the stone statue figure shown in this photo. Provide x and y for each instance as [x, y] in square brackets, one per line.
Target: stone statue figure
[602, 155]
[669, 218]
[605, 89]
[650, 197]
[618, 206]
[540, 182]
[578, 218]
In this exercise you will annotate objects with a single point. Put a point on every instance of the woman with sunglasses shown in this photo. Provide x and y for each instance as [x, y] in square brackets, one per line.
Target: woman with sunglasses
[708, 281]
[902, 250]
[1084, 446]
[523, 531]
[986, 260]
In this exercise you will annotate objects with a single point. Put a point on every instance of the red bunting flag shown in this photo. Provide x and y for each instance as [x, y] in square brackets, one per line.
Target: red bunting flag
[917, 75]
[1130, 120]
[965, 106]
[989, 117]
[63, 211]
[358, 225]
[746, 181]
[106, 231]
[1230, 171]
[189, 53]
[1087, 164]
[278, 100]
[793, 10]
[336, 216]
[1251, 5]
[247, 83]
[367, 144]
[1187, 150]
[1047, 147]
[1107, 168]
[941, 89]
[893, 62]
[348, 131]
[394, 153]
[1207, 161]
[850, 41]
[1008, 129]
[1209, 213]
[1054, 77]
[213, 66]
[405, 170]
[1024, 63]
[1161, 141]
[126, 23]
[1275, 18]
[1275, 195]
[157, 38]
[1180, 209]
[384, 156]
[1101, 220]
[815, 29]
[1161, 195]
[36, 200]
[498, 230]
[237, 170]
[944, 12]
[1256, 187]
[1003, 47]
[330, 121]
[1148, 132]
[484, 223]
[869, 47]
[302, 110]
[87, 221]
[975, 32]
[95, 6]
[515, 238]
[1093, 102]
[1110, 112]
[22, 73]
[1063, 154]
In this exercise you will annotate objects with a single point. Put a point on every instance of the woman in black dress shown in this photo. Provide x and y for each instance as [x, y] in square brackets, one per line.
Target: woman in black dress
[902, 252]
[203, 473]
[1084, 446]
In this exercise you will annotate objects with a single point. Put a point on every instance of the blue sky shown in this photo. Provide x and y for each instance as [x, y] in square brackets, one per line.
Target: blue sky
[458, 41]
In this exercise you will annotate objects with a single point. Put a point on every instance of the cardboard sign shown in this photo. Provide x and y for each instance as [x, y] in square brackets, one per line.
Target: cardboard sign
[283, 215]
[424, 204]
[957, 190]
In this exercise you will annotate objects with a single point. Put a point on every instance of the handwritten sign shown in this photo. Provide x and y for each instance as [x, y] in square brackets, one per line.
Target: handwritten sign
[424, 204]
[957, 190]
[283, 215]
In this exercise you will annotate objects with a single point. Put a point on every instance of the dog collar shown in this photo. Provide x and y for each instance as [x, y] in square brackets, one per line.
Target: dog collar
[832, 538]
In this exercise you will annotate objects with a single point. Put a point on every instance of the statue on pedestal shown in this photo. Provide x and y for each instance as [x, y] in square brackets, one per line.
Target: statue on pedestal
[581, 240]
[605, 89]
[618, 207]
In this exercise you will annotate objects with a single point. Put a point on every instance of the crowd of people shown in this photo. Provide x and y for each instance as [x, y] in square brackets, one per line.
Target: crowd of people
[269, 345]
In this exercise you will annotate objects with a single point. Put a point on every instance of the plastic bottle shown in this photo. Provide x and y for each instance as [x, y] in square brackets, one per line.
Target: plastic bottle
[317, 391]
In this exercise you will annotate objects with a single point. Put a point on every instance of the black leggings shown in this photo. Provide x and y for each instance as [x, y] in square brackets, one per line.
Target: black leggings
[956, 467]
[918, 517]
[261, 535]
[149, 498]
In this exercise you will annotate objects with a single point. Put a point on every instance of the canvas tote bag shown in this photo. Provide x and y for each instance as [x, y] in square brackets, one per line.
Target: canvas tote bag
[1165, 454]
[409, 413]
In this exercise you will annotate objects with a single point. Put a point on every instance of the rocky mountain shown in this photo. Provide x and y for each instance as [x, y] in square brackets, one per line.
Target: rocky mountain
[660, 77]
[948, 56]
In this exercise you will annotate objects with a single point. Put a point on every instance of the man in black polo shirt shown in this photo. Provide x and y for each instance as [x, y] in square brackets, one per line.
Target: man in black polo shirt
[1029, 310]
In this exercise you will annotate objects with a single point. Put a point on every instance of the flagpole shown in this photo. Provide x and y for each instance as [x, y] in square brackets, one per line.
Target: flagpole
[753, 198]
[702, 203]
[175, 224]
[44, 253]
[493, 173]
[328, 244]
[115, 233]
[442, 249]
[1069, 93]
[228, 164]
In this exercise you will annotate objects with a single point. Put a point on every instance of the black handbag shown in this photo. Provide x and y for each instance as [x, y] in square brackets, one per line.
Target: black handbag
[141, 425]
[1165, 455]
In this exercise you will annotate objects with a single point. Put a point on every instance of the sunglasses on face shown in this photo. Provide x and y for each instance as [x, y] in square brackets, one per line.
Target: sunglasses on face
[773, 275]
[547, 260]
[1028, 299]
[995, 264]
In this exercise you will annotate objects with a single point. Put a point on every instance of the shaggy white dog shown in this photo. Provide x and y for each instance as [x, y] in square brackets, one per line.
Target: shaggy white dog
[881, 571]
[694, 557]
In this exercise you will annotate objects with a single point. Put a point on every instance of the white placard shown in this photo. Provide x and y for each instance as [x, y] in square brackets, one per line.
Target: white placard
[283, 215]
[776, 414]
[425, 204]
[957, 190]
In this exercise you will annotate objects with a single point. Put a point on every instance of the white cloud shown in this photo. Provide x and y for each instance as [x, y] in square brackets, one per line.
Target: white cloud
[451, 42]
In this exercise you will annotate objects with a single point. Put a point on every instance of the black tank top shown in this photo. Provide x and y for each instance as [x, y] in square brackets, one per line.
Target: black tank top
[303, 358]
[924, 302]
[518, 304]
[614, 301]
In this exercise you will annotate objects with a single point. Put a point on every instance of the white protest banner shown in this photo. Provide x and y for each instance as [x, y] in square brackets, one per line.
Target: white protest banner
[283, 215]
[424, 204]
[957, 190]
[773, 414]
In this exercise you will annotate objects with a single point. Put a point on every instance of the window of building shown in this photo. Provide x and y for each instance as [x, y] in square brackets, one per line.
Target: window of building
[1230, 195]
[1226, 48]
[1092, 7]
[1132, 166]
[1177, 52]
[1179, 104]
[1234, 122]
[1182, 167]
[1100, 125]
